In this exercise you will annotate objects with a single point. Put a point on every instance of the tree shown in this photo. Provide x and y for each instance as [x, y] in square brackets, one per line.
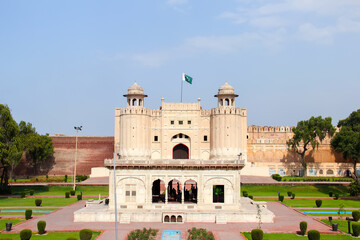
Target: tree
[309, 134]
[15, 140]
[10, 145]
[347, 140]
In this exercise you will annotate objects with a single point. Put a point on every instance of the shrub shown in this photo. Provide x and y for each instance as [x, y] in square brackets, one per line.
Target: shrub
[257, 234]
[356, 229]
[251, 197]
[67, 195]
[72, 192]
[80, 178]
[281, 198]
[313, 235]
[38, 202]
[330, 194]
[303, 227]
[289, 194]
[65, 178]
[36, 179]
[41, 227]
[276, 177]
[293, 196]
[22, 194]
[336, 196]
[107, 201]
[25, 234]
[31, 192]
[194, 234]
[28, 213]
[85, 234]
[318, 203]
[79, 197]
[354, 189]
[356, 215]
[245, 194]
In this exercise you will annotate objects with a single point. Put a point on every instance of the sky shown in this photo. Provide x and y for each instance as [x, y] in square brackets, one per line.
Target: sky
[69, 63]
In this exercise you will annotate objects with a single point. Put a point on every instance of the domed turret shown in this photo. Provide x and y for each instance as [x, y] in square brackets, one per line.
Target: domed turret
[226, 95]
[135, 96]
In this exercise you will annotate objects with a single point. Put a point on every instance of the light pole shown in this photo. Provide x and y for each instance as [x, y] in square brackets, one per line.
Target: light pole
[76, 144]
[115, 202]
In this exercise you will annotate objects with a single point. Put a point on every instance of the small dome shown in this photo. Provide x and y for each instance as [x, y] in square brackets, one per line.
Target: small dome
[135, 89]
[226, 89]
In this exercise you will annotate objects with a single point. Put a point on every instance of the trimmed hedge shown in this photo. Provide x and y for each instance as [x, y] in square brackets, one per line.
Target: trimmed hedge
[72, 192]
[336, 196]
[276, 177]
[356, 215]
[289, 194]
[356, 229]
[313, 235]
[315, 179]
[67, 195]
[79, 197]
[245, 194]
[28, 213]
[281, 198]
[25, 234]
[251, 197]
[107, 201]
[38, 202]
[31, 192]
[85, 234]
[293, 196]
[303, 227]
[22, 195]
[330, 194]
[41, 227]
[257, 234]
[318, 203]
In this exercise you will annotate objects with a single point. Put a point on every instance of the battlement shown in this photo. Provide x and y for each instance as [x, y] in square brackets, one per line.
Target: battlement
[229, 111]
[133, 110]
[205, 113]
[269, 129]
[180, 106]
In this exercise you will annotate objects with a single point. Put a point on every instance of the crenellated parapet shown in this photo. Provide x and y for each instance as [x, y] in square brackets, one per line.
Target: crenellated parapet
[266, 129]
[134, 110]
[229, 111]
[205, 113]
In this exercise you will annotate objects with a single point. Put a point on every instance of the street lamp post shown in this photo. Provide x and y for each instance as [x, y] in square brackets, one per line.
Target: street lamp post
[76, 144]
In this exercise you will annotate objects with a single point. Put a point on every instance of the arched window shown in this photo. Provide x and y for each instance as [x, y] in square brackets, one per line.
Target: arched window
[173, 218]
[190, 191]
[134, 102]
[167, 218]
[174, 191]
[158, 191]
[179, 218]
[180, 151]
[227, 102]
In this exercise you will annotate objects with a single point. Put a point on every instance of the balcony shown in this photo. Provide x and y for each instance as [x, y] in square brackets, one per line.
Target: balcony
[175, 164]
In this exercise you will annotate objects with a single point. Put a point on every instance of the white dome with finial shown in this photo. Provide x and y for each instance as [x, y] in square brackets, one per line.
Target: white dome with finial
[226, 89]
[135, 89]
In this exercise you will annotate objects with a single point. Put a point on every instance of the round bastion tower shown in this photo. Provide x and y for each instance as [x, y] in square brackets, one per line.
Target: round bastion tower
[132, 133]
[228, 127]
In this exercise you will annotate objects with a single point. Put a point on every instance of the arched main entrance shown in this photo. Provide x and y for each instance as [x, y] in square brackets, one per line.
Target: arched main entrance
[180, 151]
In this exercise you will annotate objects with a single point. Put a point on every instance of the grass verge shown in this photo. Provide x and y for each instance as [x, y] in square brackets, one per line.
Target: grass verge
[326, 203]
[60, 190]
[12, 220]
[48, 236]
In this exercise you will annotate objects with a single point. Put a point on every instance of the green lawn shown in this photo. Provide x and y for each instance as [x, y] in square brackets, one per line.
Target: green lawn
[48, 236]
[60, 190]
[46, 202]
[34, 213]
[283, 236]
[14, 221]
[299, 190]
[343, 225]
[326, 203]
[324, 214]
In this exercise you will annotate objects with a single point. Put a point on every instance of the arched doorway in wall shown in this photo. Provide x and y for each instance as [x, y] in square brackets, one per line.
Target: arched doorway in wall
[158, 191]
[174, 191]
[180, 151]
[190, 191]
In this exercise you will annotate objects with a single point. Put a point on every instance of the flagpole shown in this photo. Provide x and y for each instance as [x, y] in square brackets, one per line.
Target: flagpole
[181, 88]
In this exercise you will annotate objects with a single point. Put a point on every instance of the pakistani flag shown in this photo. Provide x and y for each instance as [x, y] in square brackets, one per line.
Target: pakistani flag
[186, 78]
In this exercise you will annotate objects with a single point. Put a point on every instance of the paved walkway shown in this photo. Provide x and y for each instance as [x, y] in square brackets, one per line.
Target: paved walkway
[287, 220]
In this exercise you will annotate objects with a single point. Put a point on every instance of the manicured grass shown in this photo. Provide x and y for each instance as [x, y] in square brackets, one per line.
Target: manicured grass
[343, 225]
[48, 236]
[299, 190]
[326, 203]
[60, 190]
[34, 209]
[283, 236]
[324, 214]
[46, 202]
[14, 221]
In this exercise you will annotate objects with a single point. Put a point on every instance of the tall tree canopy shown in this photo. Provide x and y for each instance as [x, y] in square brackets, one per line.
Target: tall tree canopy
[15, 139]
[309, 134]
[347, 140]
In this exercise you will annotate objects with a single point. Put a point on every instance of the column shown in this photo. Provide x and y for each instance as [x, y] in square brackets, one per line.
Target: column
[182, 191]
